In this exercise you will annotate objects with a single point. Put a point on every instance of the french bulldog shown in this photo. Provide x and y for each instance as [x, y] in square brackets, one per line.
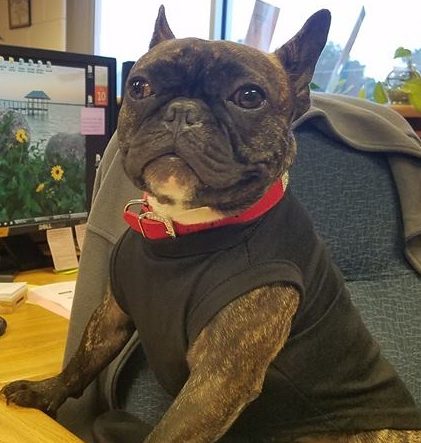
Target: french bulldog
[241, 313]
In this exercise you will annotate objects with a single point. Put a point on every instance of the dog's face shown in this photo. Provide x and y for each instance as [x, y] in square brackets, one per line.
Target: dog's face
[208, 123]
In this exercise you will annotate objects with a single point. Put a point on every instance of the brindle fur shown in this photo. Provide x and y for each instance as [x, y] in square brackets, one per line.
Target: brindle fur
[222, 383]
[107, 332]
[229, 358]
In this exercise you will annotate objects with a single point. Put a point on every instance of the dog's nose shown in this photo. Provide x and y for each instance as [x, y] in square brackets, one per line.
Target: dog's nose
[182, 115]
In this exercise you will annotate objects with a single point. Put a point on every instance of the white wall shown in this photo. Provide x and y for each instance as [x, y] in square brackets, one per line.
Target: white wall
[48, 29]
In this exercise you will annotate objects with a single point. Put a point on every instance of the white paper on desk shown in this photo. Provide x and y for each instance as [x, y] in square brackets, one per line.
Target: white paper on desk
[62, 248]
[56, 297]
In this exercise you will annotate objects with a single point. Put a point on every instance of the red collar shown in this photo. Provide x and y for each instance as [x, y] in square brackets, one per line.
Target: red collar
[155, 227]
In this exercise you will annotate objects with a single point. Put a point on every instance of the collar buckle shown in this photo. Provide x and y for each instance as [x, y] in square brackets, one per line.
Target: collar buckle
[146, 214]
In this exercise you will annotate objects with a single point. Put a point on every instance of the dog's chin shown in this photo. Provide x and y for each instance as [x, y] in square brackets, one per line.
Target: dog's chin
[170, 180]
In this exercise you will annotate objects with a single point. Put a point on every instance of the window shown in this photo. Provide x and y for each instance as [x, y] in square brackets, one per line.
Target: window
[124, 29]
[384, 27]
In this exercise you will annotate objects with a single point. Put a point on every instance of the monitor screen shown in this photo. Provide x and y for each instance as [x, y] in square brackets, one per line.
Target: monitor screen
[57, 113]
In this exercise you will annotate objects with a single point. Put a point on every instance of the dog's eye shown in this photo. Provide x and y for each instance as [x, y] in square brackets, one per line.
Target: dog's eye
[140, 88]
[249, 97]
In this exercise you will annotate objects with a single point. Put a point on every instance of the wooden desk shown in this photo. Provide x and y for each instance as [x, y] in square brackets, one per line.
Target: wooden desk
[22, 425]
[411, 115]
[32, 349]
[45, 276]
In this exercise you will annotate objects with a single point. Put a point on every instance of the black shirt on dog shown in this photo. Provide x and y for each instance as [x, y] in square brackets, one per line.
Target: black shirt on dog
[330, 375]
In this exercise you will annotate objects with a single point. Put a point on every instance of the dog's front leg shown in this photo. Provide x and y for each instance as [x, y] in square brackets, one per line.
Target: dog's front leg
[108, 330]
[228, 363]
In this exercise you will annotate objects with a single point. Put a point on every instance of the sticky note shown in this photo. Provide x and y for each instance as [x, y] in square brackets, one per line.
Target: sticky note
[92, 121]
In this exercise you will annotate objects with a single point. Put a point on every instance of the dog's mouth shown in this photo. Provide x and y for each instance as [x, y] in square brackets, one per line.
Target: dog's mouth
[192, 171]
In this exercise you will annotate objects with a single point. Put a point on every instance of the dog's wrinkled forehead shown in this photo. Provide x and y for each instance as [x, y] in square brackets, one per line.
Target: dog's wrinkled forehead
[198, 66]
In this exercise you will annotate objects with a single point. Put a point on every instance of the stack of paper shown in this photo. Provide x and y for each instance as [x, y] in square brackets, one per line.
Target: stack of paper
[56, 297]
[11, 296]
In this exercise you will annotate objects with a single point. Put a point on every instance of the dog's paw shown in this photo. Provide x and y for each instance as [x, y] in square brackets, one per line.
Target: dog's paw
[47, 395]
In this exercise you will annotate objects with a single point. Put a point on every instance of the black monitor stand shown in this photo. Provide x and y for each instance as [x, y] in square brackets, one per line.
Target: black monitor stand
[20, 253]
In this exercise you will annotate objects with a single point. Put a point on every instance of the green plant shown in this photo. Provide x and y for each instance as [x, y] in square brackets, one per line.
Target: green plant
[411, 86]
[379, 93]
[405, 55]
[30, 186]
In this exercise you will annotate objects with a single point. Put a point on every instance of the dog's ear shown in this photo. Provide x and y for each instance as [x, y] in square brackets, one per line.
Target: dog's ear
[162, 30]
[300, 54]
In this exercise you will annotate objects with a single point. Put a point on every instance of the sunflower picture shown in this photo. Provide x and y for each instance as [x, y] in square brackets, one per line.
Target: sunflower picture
[57, 172]
[31, 185]
[21, 136]
[40, 187]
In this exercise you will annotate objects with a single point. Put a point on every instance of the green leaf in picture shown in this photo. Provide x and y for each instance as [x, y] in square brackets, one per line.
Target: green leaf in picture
[402, 52]
[379, 93]
[314, 86]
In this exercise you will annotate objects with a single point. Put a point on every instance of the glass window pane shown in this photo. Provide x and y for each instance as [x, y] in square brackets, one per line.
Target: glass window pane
[384, 28]
[123, 29]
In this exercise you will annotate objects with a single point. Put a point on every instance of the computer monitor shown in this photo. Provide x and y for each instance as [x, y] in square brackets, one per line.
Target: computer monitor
[57, 113]
[125, 71]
